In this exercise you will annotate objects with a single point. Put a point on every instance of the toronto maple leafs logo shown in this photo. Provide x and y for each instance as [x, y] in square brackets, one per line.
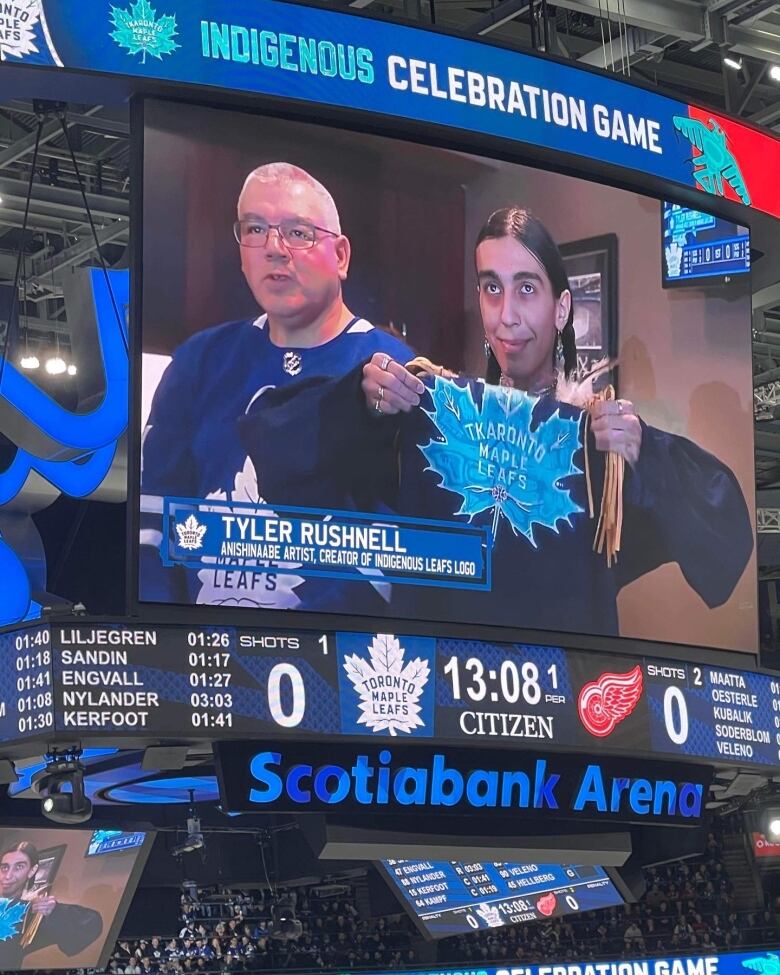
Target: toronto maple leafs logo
[139, 31]
[490, 916]
[389, 689]
[496, 460]
[273, 585]
[602, 704]
[11, 917]
[17, 28]
[191, 534]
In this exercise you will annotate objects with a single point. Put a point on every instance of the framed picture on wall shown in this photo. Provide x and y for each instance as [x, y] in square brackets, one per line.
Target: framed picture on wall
[592, 267]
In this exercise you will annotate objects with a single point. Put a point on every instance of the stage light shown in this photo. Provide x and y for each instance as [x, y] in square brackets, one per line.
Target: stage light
[770, 821]
[30, 362]
[774, 72]
[65, 801]
[72, 370]
[56, 366]
[734, 63]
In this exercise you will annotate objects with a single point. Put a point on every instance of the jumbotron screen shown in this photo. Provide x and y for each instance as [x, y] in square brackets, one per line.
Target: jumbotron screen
[449, 897]
[700, 248]
[64, 894]
[396, 381]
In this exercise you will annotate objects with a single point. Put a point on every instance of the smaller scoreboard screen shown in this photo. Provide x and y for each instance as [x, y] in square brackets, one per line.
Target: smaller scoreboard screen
[448, 897]
[699, 245]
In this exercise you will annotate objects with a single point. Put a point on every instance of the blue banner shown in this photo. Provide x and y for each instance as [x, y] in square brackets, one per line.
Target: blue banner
[314, 542]
[348, 61]
[736, 963]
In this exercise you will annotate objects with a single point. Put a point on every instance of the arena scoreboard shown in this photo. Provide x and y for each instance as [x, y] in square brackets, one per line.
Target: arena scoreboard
[448, 897]
[79, 680]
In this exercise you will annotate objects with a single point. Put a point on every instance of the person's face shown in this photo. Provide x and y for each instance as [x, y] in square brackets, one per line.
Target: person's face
[15, 871]
[293, 285]
[520, 314]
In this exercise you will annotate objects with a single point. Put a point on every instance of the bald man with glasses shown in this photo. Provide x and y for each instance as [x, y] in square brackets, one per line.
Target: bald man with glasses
[295, 260]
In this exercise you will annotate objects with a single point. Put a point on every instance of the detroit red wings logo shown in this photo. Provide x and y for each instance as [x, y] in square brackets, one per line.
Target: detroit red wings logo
[605, 702]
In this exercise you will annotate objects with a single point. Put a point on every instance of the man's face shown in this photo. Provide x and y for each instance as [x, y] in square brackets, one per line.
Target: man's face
[292, 285]
[15, 871]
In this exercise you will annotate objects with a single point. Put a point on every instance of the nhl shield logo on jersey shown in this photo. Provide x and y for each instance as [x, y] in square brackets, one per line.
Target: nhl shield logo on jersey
[18, 20]
[385, 684]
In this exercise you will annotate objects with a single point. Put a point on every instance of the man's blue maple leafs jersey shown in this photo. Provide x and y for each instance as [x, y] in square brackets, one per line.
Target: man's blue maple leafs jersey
[192, 448]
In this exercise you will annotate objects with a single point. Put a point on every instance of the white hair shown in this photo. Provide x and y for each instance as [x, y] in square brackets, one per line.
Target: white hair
[284, 173]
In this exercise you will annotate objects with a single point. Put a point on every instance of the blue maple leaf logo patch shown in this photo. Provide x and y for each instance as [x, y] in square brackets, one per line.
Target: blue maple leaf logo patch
[11, 917]
[496, 459]
[140, 31]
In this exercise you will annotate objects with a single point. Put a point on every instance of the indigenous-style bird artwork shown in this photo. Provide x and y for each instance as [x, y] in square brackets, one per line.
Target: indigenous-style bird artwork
[716, 162]
[765, 966]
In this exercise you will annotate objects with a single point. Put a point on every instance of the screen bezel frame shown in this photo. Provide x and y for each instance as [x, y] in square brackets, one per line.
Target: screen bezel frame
[490, 147]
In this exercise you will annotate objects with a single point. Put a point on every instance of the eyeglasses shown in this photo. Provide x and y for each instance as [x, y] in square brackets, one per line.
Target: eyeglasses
[295, 234]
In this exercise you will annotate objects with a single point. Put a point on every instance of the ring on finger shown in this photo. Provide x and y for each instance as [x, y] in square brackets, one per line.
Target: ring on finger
[378, 405]
[380, 392]
[385, 363]
[620, 406]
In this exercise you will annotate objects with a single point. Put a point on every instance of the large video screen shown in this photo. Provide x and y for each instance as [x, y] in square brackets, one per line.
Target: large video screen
[64, 894]
[699, 247]
[451, 897]
[398, 381]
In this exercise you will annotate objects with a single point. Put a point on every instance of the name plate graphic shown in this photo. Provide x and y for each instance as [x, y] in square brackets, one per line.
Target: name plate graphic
[315, 542]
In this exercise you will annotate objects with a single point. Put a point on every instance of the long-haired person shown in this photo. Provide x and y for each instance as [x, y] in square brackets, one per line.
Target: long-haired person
[675, 502]
[39, 918]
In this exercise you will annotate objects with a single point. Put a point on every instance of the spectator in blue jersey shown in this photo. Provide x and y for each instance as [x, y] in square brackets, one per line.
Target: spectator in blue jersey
[679, 503]
[295, 260]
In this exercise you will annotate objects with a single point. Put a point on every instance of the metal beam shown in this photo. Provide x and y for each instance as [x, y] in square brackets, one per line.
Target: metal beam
[747, 93]
[683, 75]
[43, 269]
[768, 443]
[26, 144]
[766, 116]
[633, 43]
[770, 376]
[761, 44]
[96, 123]
[766, 297]
[725, 6]
[40, 325]
[679, 17]
[747, 17]
[59, 201]
[497, 17]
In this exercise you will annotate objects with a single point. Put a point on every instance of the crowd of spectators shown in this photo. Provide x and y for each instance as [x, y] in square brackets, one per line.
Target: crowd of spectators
[234, 932]
[688, 907]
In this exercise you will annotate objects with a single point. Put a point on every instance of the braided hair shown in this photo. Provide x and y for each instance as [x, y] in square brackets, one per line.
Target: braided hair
[529, 231]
